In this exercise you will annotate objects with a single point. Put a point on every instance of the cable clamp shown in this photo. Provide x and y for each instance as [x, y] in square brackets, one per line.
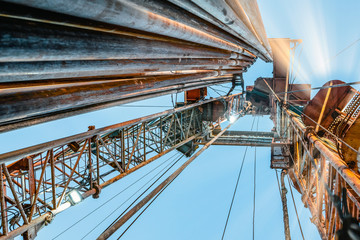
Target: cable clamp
[309, 130]
[97, 191]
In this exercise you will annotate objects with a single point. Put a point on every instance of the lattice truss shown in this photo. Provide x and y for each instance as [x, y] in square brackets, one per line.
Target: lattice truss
[39, 183]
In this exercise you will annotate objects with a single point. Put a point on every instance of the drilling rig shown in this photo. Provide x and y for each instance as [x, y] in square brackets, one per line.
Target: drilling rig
[62, 58]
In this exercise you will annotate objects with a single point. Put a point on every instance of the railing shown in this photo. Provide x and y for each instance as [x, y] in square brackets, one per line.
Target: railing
[319, 174]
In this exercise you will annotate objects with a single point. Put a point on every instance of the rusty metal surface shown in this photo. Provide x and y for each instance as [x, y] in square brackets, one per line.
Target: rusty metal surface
[61, 58]
[32, 41]
[225, 14]
[71, 112]
[85, 57]
[337, 100]
[131, 212]
[27, 71]
[113, 151]
[123, 14]
[30, 102]
[315, 168]
[19, 154]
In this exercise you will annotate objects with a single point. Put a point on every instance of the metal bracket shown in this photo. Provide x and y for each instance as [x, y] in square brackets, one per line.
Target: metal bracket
[308, 130]
[97, 191]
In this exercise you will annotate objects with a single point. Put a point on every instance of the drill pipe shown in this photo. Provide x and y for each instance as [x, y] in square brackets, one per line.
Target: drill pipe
[27, 71]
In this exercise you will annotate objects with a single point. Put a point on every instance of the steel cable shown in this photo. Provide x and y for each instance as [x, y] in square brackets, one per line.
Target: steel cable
[145, 208]
[175, 162]
[323, 87]
[254, 199]
[236, 186]
[297, 216]
[278, 182]
[217, 91]
[333, 135]
[132, 195]
[142, 177]
[235, 189]
[144, 106]
[326, 130]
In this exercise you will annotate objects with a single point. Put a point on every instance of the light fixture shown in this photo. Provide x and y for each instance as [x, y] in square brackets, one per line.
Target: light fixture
[74, 197]
[232, 118]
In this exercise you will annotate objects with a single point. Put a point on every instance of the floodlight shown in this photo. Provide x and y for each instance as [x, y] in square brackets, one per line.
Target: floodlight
[75, 197]
[232, 118]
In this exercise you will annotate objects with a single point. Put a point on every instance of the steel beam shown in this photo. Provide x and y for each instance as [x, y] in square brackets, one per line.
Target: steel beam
[116, 225]
[132, 144]
[243, 138]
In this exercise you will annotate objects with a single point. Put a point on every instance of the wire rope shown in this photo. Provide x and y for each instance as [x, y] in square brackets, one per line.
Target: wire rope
[235, 189]
[297, 57]
[217, 91]
[278, 182]
[171, 163]
[254, 202]
[219, 85]
[236, 186]
[145, 208]
[175, 162]
[323, 87]
[142, 177]
[346, 48]
[297, 216]
[326, 130]
[254, 199]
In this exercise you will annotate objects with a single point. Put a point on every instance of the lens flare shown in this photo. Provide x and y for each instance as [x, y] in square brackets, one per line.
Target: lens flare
[232, 118]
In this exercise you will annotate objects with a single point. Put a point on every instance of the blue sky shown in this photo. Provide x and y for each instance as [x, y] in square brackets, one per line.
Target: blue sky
[195, 205]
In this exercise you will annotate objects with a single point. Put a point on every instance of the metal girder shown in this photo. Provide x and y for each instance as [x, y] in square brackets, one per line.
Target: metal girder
[242, 138]
[116, 225]
[42, 176]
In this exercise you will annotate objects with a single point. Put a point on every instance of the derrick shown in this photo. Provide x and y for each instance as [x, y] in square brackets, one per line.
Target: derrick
[62, 58]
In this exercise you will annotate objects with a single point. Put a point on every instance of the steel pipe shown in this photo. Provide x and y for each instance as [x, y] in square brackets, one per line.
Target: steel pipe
[248, 11]
[71, 112]
[198, 11]
[129, 14]
[29, 41]
[334, 159]
[32, 101]
[27, 71]
[177, 13]
[225, 14]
